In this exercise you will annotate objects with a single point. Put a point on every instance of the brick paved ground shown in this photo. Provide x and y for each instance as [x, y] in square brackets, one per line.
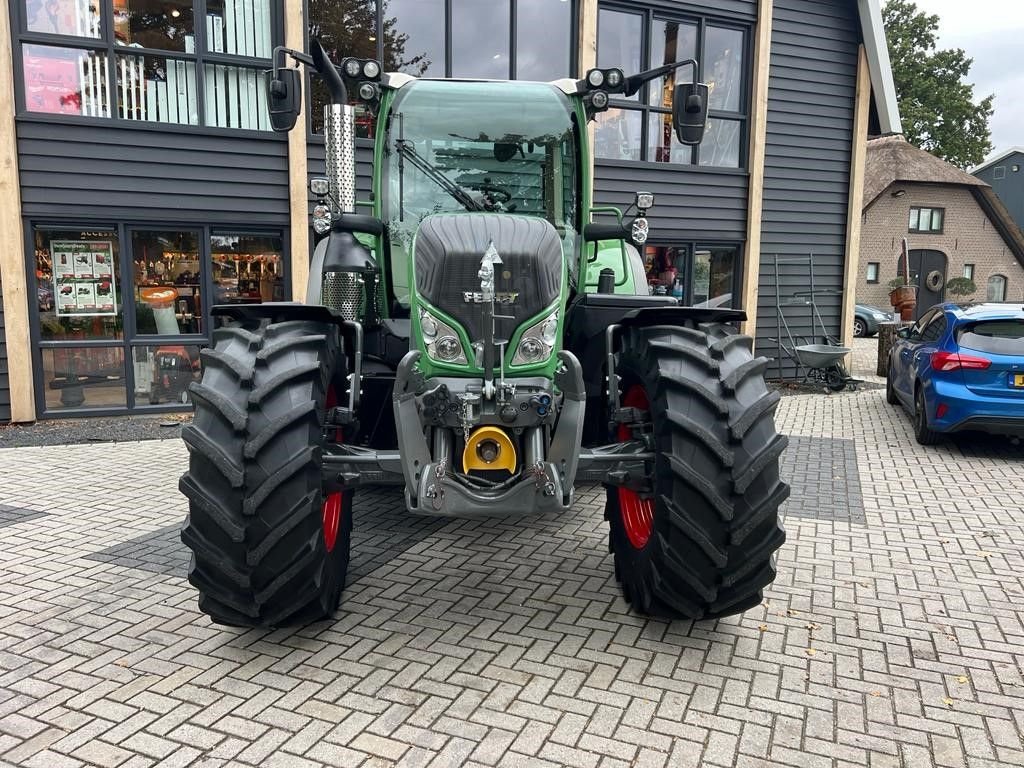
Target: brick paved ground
[894, 635]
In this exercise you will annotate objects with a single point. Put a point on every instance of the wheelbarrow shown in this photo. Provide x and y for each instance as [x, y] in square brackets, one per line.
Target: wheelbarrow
[824, 365]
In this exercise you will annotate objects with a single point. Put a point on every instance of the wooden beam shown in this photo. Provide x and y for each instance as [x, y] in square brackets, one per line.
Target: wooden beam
[587, 59]
[12, 247]
[298, 197]
[755, 164]
[855, 212]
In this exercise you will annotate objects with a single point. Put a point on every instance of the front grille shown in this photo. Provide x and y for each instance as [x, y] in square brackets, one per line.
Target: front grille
[343, 291]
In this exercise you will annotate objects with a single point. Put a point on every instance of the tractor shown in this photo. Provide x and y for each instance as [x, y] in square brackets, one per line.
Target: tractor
[472, 335]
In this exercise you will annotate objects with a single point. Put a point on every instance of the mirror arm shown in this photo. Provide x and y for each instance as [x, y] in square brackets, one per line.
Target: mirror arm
[281, 55]
[318, 60]
[634, 82]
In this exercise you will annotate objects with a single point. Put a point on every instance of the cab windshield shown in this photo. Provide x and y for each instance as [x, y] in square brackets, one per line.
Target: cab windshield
[477, 146]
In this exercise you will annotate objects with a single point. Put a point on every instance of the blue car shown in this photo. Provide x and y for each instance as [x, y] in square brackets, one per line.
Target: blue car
[961, 368]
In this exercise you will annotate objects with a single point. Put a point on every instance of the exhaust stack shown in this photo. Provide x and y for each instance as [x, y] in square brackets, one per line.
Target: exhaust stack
[340, 146]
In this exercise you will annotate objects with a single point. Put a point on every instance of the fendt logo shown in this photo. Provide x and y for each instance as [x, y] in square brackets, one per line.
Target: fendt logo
[500, 297]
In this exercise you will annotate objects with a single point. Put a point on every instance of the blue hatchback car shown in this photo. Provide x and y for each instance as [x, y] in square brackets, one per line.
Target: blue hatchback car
[961, 368]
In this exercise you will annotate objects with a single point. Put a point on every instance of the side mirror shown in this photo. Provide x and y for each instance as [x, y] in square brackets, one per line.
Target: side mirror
[904, 333]
[284, 98]
[690, 112]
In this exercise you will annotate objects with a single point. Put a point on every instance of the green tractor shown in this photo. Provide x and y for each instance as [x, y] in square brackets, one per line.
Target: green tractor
[471, 335]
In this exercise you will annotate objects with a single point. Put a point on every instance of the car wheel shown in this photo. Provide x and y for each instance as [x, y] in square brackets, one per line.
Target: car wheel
[924, 434]
[890, 390]
[860, 328]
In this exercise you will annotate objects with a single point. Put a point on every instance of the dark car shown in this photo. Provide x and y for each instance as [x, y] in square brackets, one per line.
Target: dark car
[961, 368]
[866, 319]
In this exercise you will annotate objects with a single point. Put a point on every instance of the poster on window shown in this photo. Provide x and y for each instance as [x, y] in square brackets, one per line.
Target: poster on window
[83, 277]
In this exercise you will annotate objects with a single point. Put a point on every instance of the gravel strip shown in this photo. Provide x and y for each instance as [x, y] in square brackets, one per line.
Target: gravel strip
[106, 429]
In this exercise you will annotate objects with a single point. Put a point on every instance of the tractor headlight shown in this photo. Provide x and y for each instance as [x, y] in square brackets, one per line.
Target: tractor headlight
[441, 340]
[595, 78]
[321, 219]
[371, 69]
[352, 67]
[537, 341]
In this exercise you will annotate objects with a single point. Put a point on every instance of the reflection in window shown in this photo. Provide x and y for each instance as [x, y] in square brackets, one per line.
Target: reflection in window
[84, 377]
[414, 37]
[65, 81]
[721, 145]
[543, 29]
[163, 373]
[713, 276]
[239, 27]
[167, 282]
[80, 18]
[671, 41]
[160, 24]
[723, 54]
[663, 146]
[78, 284]
[345, 28]
[996, 288]
[247, 269]
[620, 41]
[617, 134]
[480, 39]
[236, 97]
[157, 90]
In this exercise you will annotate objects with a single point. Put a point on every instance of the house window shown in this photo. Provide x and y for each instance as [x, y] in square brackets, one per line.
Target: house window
[873, 267]
[186, 62]
[640, 127]
[999, 172]
[996, 288]
[927, 220]
[524, 40]
[695, 273]
[969, 271]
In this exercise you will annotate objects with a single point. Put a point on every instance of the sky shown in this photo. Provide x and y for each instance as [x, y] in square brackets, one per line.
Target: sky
[992, 33]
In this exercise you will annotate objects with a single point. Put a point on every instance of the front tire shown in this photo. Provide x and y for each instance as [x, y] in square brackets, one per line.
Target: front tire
[702, 544]
[270, 543]
[860, 329]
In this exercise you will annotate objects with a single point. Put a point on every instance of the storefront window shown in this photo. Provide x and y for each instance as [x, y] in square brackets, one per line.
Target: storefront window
[617, 134]
[167, 281]
[218, 60]
[620, 39]
[165, 25]
[163, 373]
[247, 269]
[80, 18]
[65, 81]
[78, 284]
[157, 90]
[84, 377]
[713, 276]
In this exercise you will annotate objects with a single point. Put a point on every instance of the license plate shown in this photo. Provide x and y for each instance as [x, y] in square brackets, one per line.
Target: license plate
[1018, 380]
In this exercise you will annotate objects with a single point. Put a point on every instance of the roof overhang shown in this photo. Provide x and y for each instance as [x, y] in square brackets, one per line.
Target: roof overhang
[997, 159]
[877, 50]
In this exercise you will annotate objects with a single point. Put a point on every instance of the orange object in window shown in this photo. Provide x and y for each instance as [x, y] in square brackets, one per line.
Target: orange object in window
[158, 297]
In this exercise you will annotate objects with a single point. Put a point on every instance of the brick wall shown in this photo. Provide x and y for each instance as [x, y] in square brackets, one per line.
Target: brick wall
[968, 238]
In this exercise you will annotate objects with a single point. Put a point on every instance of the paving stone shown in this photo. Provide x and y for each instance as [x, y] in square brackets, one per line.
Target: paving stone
[505, 642]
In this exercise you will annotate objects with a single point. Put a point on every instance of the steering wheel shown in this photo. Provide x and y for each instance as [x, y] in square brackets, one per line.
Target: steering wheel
[495, 193]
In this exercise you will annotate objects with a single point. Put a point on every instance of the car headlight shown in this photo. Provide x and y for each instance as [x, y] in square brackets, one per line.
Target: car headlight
[537, 341]
[441, 340]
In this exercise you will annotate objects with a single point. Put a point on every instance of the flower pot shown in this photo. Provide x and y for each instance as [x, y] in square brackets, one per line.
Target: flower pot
[902, 295]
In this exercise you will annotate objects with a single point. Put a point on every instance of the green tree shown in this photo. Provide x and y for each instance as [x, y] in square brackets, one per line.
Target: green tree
[936, 102]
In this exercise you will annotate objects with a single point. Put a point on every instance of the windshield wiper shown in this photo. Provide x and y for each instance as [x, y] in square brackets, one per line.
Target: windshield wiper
[407, 151]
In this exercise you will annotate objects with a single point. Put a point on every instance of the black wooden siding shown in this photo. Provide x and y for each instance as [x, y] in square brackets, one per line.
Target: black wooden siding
[102, 170]
[688, 204]
[811, 102]
[5, 386]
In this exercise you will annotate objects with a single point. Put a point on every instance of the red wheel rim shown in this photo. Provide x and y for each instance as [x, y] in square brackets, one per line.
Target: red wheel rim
[332, 519]
[331, 512]
[637, 513]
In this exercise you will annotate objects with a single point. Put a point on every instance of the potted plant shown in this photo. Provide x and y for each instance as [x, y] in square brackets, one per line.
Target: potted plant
[960, 287]
[903, 296]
